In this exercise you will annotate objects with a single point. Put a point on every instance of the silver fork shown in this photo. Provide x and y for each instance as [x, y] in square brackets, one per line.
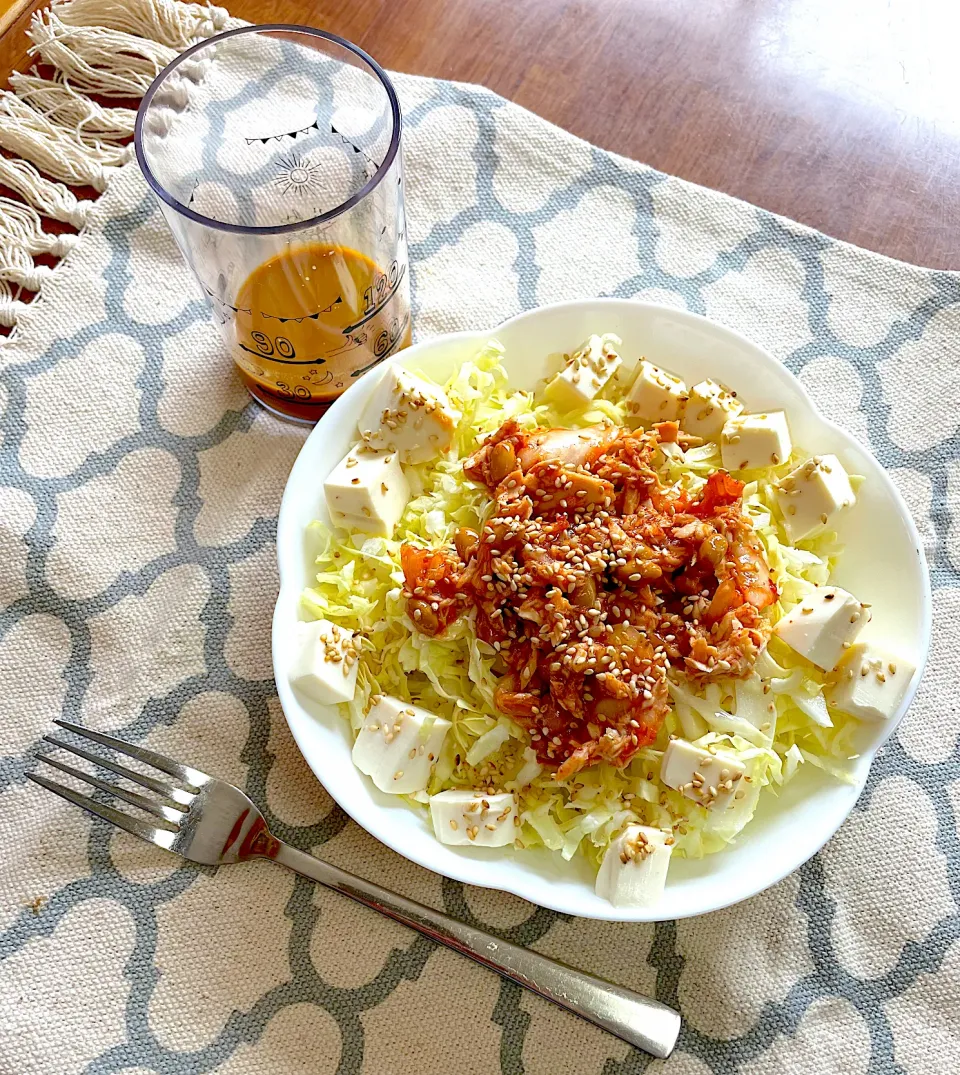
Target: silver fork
[209, 821]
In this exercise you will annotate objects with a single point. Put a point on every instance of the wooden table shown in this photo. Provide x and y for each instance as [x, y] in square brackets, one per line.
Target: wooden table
[843, 114]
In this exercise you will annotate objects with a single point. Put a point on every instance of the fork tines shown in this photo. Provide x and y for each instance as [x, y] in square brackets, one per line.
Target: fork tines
[177, 794]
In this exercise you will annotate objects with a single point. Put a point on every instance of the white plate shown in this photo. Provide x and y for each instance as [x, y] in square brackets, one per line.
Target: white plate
[883, 564]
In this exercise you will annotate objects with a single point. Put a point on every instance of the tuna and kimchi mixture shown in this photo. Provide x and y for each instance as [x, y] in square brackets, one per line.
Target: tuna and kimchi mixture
[592, 578]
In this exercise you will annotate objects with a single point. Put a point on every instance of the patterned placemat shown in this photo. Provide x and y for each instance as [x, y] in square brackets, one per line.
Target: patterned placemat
[138, 499]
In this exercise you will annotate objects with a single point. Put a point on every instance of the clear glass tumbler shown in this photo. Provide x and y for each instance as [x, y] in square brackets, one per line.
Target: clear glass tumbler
[275, 154]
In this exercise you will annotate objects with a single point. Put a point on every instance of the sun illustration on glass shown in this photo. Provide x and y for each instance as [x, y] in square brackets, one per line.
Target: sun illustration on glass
[297, 174]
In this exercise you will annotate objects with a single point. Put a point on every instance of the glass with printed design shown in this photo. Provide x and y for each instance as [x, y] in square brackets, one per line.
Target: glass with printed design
[275, 154]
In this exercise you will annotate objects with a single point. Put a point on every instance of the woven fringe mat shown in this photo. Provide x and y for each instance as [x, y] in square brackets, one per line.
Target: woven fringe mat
[138, 500]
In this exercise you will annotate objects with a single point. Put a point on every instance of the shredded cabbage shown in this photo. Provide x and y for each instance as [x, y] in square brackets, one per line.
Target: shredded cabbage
[774, 722]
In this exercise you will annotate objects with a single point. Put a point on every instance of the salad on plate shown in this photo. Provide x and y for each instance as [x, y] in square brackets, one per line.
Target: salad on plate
[597, 618]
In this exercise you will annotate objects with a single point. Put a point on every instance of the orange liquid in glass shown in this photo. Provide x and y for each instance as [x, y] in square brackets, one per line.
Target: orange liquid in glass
[312, 319]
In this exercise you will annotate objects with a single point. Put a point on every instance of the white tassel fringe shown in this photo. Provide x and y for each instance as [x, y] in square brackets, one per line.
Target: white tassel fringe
[10, 308]
[21, 229]
[55, 149]
[51, 199]
[57, 134]
[165, 21]
[97, 59]
[64, 106]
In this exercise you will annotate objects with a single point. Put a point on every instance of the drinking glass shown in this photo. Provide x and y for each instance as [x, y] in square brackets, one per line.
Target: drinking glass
[275, 154]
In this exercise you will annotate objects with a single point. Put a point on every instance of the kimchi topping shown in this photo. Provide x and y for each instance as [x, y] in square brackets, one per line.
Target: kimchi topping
[593, 579]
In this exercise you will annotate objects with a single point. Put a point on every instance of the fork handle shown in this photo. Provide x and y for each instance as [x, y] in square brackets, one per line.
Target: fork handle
[645, 1023]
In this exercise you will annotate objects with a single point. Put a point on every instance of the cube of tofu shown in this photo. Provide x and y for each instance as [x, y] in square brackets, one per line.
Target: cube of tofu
[708, 408]
[811, 495]
[589, 368]
[465, 816]
[407, 414]
[871, 683]
[325, 664]
[634, 869]
[710, 780]
[367, 491]
[655, 395]
[823, 625]
[749, 441]
[398, 745]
